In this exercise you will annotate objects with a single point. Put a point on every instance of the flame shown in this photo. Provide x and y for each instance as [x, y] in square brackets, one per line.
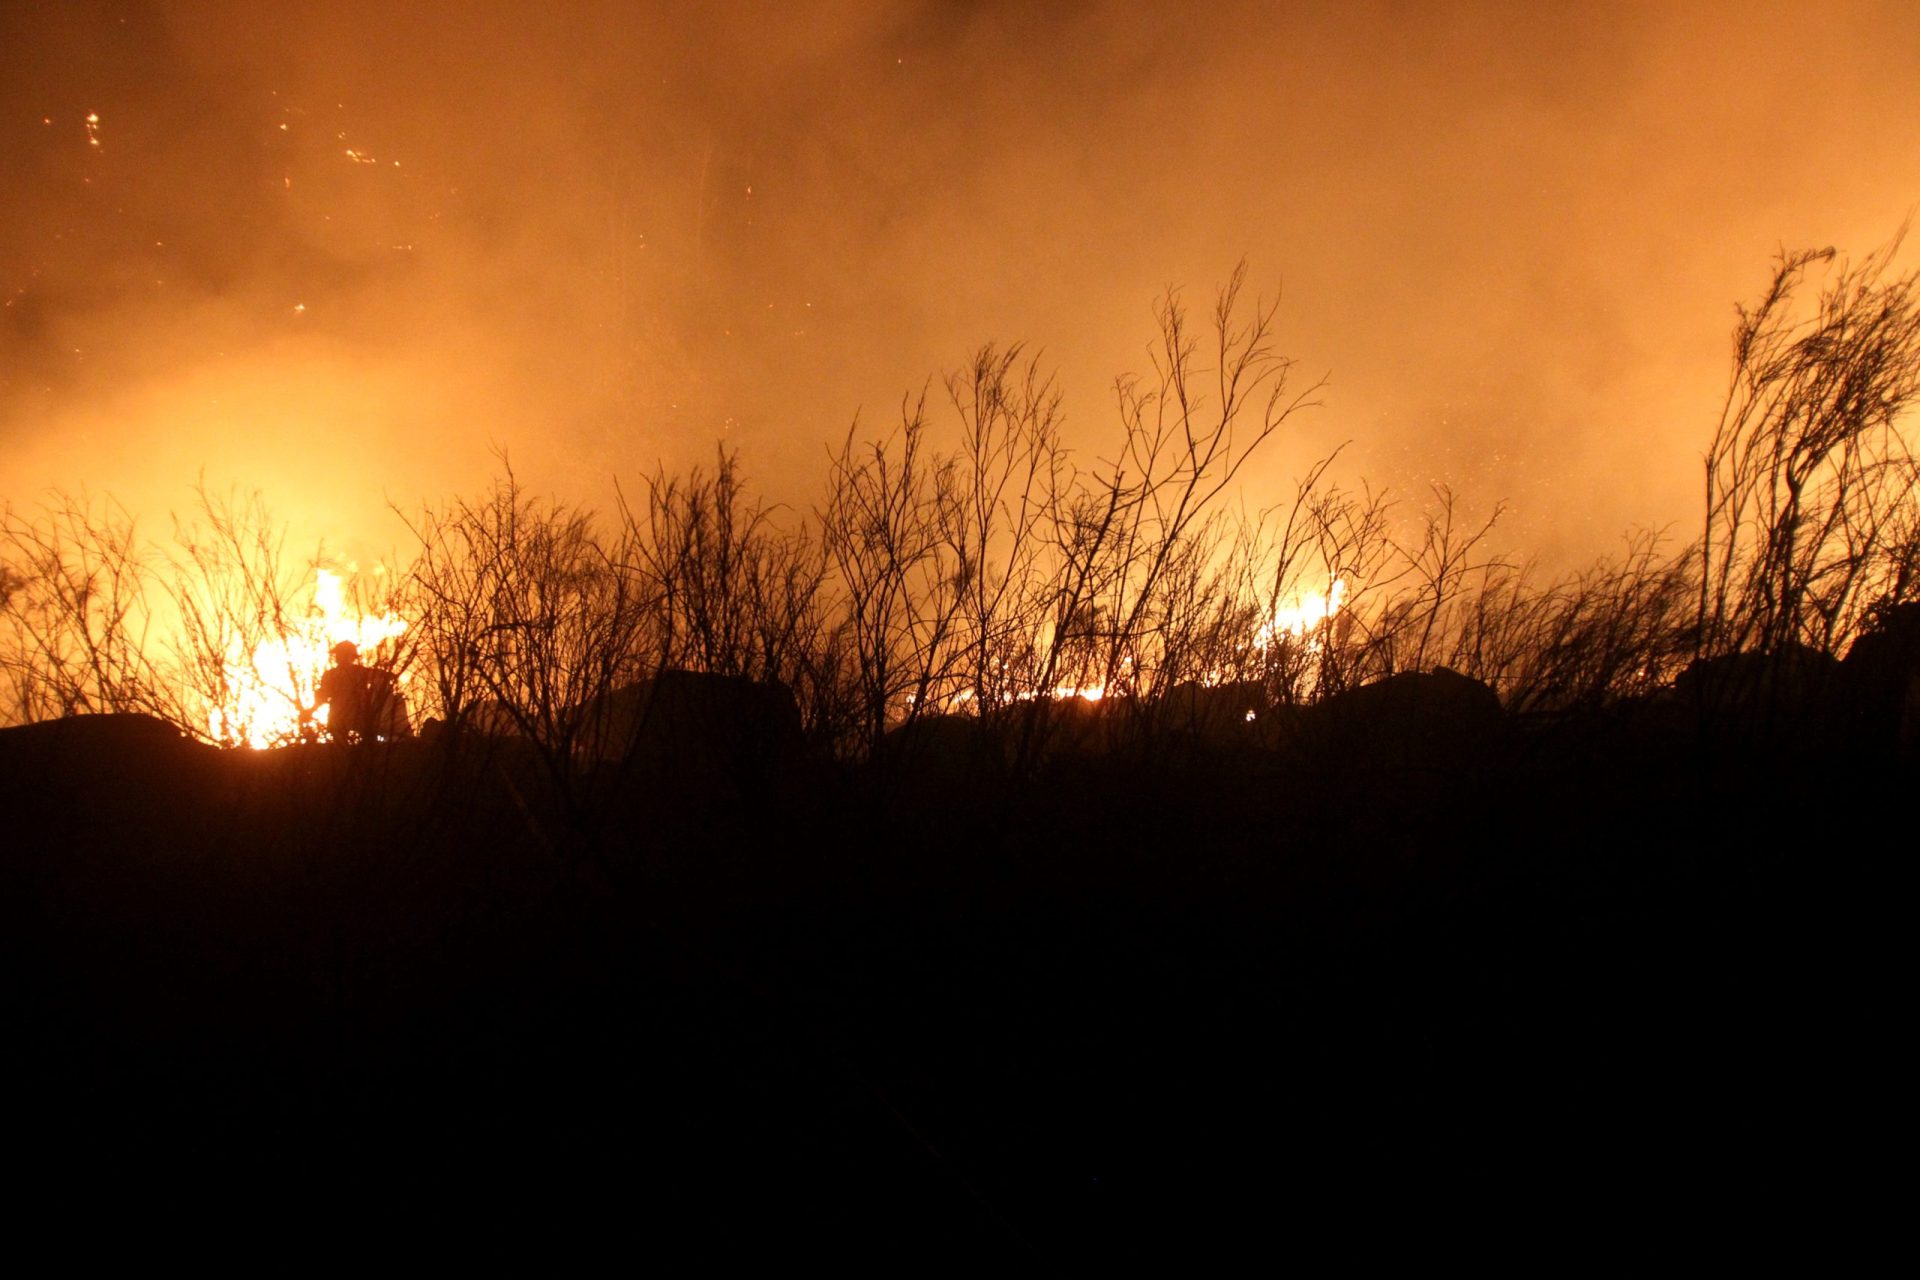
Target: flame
[964, 699]
[1305, 614]
[1298, 622]
[271, 691]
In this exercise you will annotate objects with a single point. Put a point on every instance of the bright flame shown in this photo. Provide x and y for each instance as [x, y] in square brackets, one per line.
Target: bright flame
[1297, 622]
[271, 691]
[1305, 614]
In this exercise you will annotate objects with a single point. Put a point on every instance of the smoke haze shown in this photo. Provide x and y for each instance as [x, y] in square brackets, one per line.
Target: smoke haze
[343, 252]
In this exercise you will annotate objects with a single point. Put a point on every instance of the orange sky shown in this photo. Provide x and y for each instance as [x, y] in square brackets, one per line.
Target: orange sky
[1510, 235]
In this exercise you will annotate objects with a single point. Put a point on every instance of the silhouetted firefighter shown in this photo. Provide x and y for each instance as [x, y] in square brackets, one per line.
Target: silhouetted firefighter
[362, 703]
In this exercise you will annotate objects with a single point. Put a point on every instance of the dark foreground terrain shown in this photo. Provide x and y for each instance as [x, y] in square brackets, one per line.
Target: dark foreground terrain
[1600, 974]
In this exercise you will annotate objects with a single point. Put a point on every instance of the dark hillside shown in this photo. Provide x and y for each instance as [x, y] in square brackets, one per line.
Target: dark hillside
[1578, 966]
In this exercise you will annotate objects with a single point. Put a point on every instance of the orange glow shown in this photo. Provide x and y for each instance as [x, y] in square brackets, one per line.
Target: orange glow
[1304, 614]
[272, 689]
[1296, 622]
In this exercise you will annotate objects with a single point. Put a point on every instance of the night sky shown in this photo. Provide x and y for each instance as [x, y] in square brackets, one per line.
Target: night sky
[341, 252]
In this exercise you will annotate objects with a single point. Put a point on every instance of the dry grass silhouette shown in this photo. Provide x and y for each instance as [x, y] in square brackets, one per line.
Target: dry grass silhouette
[965, 562]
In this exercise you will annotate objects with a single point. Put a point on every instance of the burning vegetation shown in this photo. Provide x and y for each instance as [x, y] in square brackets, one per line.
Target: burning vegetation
[273, 698]
[997, 575]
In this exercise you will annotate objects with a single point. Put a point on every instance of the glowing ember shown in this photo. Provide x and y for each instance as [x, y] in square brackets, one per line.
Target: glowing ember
[1298, 623]
[271, 692]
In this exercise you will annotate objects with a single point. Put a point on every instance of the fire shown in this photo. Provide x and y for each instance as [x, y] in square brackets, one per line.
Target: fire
[1298, 622]
[1304, 615]
[271, 691]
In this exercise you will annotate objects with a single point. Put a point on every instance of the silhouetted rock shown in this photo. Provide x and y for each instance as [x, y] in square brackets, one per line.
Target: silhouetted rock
[957, 741]
[1412, 721]
[1791, 689]
[1881, 674]
[1416, 702]
[490, 718]
[92, 742]
[1214, 714]
[1070, 726]
[126, 781]
[933, 759]
[688, 727]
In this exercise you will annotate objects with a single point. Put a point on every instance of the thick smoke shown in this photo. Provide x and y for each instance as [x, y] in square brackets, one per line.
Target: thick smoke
[343, 252]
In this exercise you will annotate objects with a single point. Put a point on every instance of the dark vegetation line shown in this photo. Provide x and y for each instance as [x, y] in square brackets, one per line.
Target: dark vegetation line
[980, 577]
